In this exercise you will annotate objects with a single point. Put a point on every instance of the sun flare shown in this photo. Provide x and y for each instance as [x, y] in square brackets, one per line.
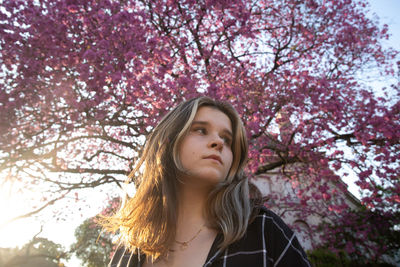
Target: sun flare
[14, 232]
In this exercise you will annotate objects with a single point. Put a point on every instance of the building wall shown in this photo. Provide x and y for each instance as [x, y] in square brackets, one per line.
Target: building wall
[271, 184]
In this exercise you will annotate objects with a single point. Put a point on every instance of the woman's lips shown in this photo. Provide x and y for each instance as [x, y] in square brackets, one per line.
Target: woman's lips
[214, 157]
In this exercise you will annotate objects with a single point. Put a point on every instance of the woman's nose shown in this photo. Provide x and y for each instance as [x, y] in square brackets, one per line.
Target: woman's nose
[216, 142]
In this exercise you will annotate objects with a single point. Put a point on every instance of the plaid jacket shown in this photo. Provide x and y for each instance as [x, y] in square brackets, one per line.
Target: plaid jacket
[268, 242]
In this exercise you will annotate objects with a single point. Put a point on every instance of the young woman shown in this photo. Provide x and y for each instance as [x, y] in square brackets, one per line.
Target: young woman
[192, 206]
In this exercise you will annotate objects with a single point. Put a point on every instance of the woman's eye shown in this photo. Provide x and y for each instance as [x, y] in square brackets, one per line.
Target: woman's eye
[227, 140]
[200, 130]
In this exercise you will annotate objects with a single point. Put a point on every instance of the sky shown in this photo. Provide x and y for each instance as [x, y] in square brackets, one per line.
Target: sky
[388, 12]
[62, 231]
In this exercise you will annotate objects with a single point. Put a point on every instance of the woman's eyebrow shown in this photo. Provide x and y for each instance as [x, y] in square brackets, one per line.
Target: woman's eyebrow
[200, 122]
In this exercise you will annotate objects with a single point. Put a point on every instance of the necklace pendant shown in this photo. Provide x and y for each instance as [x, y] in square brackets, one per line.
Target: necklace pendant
[184, 245]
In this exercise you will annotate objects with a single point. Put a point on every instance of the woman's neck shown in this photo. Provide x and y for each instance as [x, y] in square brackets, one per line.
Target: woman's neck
[191, 216]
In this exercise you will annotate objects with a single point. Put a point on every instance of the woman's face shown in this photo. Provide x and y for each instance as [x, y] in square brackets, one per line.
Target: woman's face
[205, 152]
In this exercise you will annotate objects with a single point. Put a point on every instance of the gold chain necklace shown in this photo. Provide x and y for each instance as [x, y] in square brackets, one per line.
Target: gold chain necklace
[185, 244]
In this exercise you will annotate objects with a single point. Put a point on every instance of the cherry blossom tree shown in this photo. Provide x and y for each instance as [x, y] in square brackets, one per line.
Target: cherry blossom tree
[367, 236]
[83, 83]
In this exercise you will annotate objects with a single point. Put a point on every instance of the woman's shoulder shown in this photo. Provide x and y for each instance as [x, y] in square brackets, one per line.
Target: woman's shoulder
[267, 218]
[268, 222]
[262, 210]
[275, 238]
[268, 240]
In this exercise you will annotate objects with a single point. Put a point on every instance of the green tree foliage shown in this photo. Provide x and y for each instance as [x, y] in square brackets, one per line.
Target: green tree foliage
[40, 252]
[323, 257]
[93, 245]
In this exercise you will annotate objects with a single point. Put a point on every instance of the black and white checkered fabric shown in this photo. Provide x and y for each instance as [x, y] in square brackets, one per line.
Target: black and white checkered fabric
[268, 242]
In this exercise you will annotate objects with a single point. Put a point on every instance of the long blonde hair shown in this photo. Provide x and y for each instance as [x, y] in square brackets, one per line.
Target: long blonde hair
[147, 221]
